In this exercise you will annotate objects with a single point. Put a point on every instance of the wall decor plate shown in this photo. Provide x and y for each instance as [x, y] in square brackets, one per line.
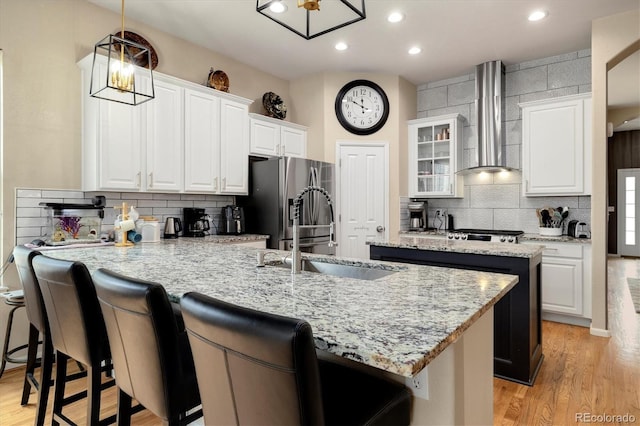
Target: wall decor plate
[136, 38]
[218, 80]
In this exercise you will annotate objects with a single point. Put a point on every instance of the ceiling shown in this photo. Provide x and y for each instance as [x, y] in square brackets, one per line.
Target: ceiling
[454, 35]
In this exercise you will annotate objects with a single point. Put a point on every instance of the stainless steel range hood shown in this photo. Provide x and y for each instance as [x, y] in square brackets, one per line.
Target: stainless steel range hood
[489, 103]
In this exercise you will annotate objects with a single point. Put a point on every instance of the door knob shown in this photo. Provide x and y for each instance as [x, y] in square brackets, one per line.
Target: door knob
[380, 228]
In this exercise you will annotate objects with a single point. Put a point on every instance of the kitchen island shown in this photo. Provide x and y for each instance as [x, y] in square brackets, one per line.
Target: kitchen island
[429, 327]
[518, 317]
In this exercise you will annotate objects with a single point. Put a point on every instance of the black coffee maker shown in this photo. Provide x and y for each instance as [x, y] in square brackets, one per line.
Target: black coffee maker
[196, 223]
[233, 220]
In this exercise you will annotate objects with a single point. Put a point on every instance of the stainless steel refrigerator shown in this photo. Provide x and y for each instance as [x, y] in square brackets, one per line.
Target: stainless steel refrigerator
[274, 184]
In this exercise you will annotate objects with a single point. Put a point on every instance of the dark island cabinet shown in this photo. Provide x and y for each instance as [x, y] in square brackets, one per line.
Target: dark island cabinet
[517, 316]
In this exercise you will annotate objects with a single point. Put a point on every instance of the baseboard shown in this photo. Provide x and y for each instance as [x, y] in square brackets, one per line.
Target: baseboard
[600, 332]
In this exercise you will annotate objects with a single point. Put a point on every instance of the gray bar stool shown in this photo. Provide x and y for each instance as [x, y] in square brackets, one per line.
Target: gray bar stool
[7, 354]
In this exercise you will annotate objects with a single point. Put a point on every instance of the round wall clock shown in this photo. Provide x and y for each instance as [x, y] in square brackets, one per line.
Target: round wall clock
[362, 107]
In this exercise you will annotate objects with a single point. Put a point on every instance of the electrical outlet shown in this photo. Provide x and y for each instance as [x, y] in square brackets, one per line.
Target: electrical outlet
[441, 213]
[419, 384]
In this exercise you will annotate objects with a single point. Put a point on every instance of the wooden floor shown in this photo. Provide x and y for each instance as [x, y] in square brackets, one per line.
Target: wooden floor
[581, 373]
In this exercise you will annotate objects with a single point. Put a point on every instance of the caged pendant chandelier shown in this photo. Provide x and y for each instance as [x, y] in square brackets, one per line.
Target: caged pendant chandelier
[127, 78]
[311, 18]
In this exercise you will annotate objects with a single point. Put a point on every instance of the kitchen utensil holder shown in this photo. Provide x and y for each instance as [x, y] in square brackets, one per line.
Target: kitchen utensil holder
[550, 232]
[124, 241]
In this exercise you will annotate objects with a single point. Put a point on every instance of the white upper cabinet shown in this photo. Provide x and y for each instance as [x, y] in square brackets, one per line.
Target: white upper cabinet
[273, 137]
[435, 155]
[234, 147]
[201, 141]
[112, 137]
[165, 140]
[556, 146]
[189, 138]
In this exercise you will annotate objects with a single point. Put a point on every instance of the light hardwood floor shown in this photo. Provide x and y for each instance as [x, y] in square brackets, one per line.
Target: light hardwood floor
[580, 373]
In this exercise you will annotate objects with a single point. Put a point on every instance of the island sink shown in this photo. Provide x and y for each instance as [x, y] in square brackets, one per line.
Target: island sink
[360, 272]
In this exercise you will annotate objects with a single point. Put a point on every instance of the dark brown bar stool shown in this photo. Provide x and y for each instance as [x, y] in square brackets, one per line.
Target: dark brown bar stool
[150, 348]
[258, 368]
[77, 332]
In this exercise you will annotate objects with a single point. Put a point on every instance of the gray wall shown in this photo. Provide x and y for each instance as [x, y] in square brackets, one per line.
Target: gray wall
[495, 201]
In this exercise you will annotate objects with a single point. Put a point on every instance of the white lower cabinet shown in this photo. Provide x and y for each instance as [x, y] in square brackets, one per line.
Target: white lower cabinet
[566, 282]
[272, 137]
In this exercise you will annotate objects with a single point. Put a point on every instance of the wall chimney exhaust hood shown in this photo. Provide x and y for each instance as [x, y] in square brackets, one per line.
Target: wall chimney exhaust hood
[489, 103]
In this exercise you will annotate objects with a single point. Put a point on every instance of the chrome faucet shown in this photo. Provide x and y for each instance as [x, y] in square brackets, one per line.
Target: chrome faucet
[296, 256]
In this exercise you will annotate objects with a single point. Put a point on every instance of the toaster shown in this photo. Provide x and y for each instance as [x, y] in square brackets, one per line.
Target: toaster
[582, 231]
[571, 228]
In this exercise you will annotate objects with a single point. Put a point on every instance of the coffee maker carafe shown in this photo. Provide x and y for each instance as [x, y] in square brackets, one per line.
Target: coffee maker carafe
[196, 222]
[417, 215]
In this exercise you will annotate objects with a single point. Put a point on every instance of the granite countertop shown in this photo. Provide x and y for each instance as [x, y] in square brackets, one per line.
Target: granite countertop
[398, 323]
[225, 239]
[471, 247]
[559, 239]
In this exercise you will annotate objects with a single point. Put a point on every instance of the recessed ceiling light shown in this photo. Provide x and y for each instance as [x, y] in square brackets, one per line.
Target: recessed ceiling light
[414, 50]
[277, 7]
[341, 46]
[538, 15]
[395, 17]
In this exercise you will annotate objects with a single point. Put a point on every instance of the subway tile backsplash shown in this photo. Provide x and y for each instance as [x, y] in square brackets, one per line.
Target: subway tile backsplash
[495, 201]
[31, 217]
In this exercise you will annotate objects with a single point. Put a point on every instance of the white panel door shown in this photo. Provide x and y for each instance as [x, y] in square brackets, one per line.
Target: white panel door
[201, 141]
[363, 188]
[165, 140]
[629, 212]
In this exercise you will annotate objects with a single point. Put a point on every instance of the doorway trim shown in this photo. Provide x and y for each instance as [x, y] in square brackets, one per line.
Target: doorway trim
[340, 143]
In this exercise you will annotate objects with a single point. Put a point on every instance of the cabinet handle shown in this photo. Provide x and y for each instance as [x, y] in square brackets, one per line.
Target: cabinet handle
[224, 183]
[278, 150]
[215, 184]
[139, 179]
[150, 180]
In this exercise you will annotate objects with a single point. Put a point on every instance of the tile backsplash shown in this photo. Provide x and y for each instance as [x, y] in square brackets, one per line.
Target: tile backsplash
[495, 201]
[31, 217]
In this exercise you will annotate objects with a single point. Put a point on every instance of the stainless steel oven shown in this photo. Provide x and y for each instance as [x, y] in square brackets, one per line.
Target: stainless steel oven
[488, 235]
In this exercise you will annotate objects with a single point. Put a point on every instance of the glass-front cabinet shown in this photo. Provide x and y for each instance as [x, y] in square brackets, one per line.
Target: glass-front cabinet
[435, 155]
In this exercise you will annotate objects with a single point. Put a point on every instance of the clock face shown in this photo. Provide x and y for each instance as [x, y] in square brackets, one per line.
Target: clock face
[362, 107]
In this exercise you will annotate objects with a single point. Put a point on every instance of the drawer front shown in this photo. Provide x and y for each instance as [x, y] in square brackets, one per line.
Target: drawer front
[573, 251]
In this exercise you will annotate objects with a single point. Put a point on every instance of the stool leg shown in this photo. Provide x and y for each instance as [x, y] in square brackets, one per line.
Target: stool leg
[7, 337]
[45, 379]
[124, 409]
[58, 394]
[32, 355]
[93, 395]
